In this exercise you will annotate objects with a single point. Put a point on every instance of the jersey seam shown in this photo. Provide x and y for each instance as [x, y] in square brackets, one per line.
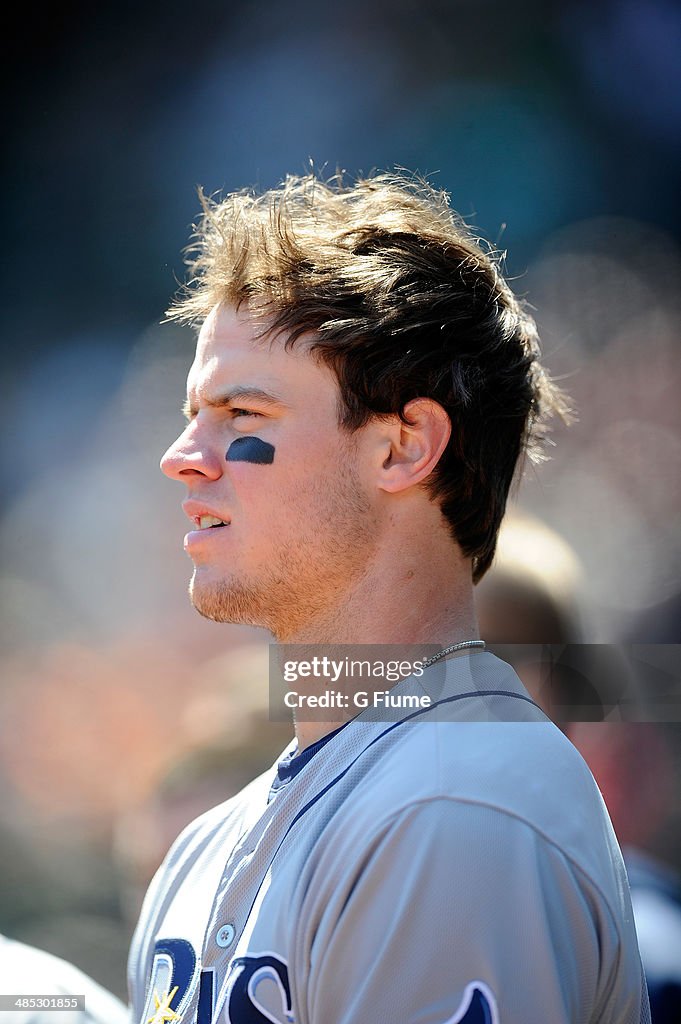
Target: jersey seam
[422, 801]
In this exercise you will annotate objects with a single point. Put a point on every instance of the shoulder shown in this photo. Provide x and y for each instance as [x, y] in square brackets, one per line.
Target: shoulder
[464, 836]
[482, 744]
[527, 770]
[484, 741]
[466, 881]
[520, 777]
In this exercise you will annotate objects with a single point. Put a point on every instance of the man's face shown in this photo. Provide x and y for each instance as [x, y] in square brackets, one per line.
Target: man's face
[299, 525]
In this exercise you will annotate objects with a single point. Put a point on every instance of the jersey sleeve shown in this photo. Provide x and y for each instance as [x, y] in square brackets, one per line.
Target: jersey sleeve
[458, 912]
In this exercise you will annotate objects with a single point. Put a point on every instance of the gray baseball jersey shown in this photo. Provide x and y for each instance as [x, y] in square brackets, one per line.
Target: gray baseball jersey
[26, 971]
[422, 871]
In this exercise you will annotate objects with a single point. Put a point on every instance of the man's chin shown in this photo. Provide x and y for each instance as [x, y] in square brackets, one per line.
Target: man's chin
[224, 602]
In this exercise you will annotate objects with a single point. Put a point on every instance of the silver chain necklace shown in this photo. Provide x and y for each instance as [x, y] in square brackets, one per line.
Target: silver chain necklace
[464, 645]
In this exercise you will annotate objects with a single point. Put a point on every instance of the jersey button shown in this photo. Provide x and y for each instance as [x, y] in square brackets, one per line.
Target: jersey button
[225, 935]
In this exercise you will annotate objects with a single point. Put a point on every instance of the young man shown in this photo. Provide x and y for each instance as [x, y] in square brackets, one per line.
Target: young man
[363, 388]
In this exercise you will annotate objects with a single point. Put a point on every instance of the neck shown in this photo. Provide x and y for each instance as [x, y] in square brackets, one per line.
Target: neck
[418, 591]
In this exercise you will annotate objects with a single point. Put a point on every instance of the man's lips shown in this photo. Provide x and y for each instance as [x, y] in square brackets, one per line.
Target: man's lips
[203, 516]
[208, 523]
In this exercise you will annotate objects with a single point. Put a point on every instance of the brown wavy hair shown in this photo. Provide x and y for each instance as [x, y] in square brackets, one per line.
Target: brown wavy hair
[404, 302]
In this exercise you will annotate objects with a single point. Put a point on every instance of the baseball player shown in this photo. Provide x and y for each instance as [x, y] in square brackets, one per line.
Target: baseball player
[363, 387]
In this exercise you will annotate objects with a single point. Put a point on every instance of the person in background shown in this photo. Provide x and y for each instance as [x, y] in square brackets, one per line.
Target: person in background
[27, 972]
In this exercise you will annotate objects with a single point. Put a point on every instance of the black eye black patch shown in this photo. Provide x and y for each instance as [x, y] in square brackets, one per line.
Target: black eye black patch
[250, 449]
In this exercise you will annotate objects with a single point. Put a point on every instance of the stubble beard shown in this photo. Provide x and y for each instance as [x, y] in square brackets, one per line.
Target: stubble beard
[310, 572]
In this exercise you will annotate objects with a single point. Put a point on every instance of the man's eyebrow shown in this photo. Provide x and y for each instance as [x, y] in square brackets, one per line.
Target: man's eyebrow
[236, 394]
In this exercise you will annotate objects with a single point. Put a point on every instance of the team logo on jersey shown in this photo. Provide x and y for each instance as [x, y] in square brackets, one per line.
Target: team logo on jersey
[172, 972]
[163, 1010]
[478, 1006]
[258, 991]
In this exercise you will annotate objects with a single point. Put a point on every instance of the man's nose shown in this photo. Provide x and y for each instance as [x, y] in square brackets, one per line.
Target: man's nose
[187, 458]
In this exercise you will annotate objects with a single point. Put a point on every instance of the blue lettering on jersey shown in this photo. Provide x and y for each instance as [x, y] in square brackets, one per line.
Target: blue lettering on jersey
[204, 1013]
[478, 1006]
[172, 971]
[257, 988]
[183, 959]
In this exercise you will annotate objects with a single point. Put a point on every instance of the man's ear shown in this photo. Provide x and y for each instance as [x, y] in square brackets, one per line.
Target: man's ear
[415, 446]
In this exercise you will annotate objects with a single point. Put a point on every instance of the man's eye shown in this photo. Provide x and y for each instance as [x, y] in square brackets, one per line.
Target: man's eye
[242, 412]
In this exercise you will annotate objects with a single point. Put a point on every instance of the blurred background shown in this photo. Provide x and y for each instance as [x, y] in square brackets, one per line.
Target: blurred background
[555, 126]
